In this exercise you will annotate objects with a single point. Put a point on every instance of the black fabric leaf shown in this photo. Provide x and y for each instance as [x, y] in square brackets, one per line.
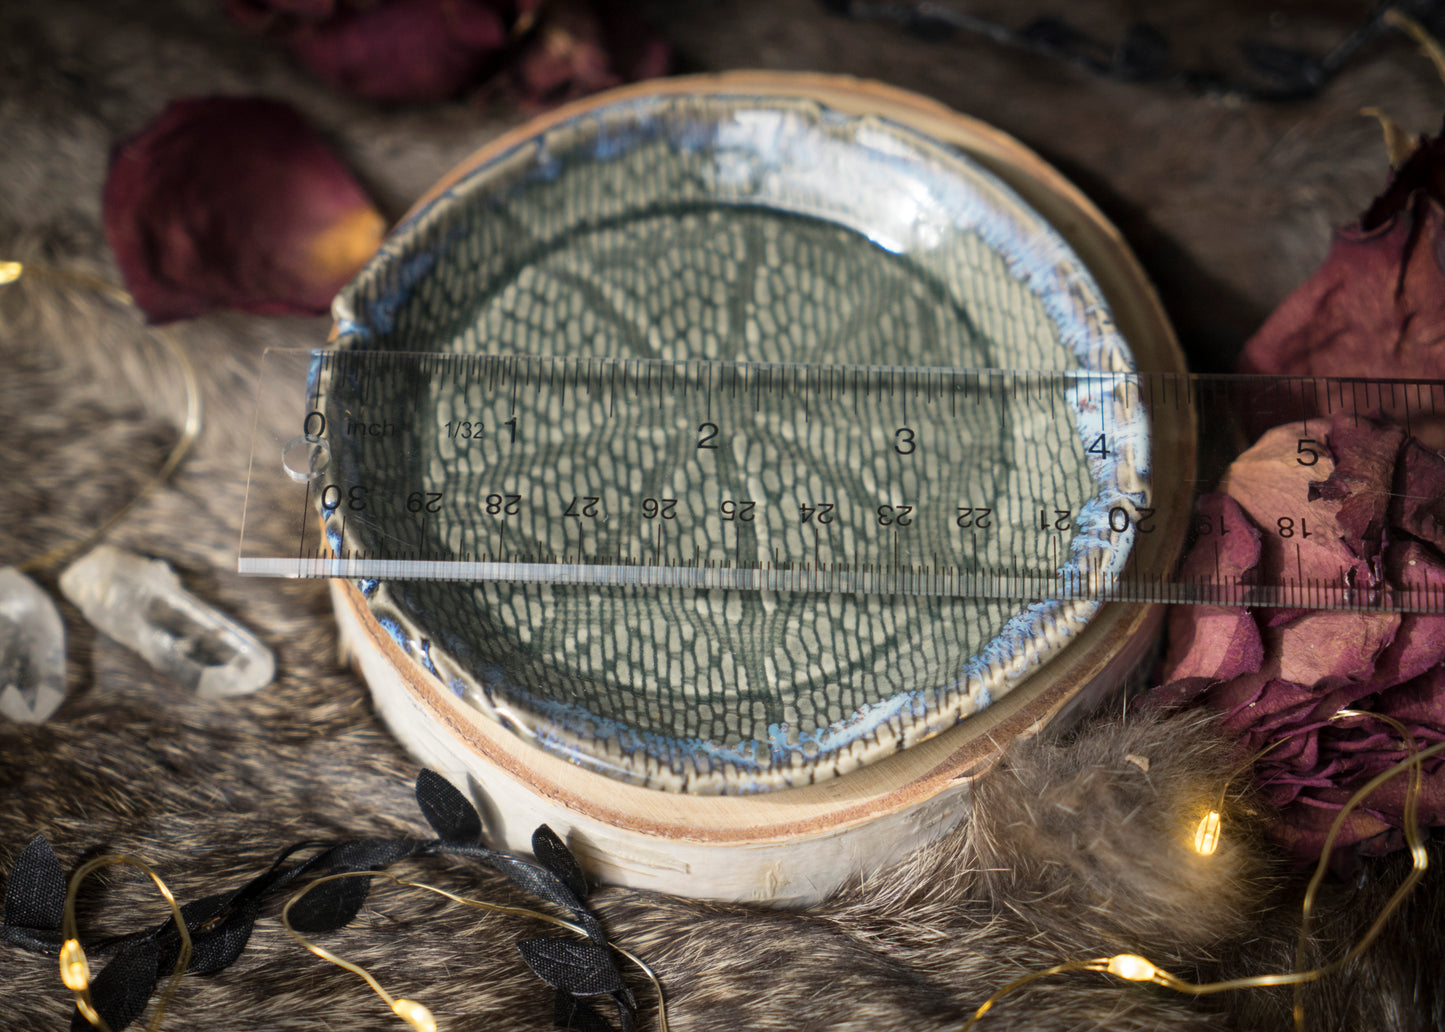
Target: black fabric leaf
[219, 931]
[542, 883]
[577, 1015]
[334, 904]
[447, 810]
[552, 853]
[626, 1006]
[329, 906]
[35, 893]
[537, 880]
[46, 941]
[119, 993]
[579, 968]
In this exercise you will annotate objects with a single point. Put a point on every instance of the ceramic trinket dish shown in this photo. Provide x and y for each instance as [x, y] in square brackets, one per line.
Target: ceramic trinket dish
[734, 220]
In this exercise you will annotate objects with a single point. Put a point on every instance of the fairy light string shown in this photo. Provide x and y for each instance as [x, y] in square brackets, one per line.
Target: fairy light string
[416, 1014]
[1135, 968]
[75, 972]
[75, 968]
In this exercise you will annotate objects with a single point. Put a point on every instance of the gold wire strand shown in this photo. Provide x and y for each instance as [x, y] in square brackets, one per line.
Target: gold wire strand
[1419, 857]
[75, 969]
[1018, 983]
[1398, 19]
[12, 271]
[476, 904]
[1139, 969]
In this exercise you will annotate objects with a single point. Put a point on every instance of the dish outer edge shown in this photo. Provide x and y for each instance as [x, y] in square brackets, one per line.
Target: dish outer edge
[787, 846]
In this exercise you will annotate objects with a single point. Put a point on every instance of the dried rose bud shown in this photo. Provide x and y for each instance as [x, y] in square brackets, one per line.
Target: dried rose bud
[229, 202]
[580, 47]
[1376, 307]
[1277, 677]
[396, 50]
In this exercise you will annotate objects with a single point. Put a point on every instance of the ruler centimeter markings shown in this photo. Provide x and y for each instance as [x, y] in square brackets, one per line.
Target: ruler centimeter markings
[992, 484]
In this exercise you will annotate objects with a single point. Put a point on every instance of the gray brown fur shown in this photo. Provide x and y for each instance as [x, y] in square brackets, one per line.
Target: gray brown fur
[1072, 849]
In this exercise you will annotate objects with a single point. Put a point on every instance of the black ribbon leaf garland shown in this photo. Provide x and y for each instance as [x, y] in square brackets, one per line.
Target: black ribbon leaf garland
[220, 925]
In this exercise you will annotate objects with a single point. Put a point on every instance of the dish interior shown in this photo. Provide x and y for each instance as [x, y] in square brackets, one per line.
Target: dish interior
[748, 230]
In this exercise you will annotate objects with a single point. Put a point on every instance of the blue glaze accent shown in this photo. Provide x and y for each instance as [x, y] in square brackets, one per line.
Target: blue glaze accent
[394, 629]
[422, 651]
[368, 586]
[348, 331]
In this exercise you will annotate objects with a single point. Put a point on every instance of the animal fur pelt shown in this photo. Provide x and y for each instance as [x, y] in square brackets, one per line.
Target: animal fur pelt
[1073, 849]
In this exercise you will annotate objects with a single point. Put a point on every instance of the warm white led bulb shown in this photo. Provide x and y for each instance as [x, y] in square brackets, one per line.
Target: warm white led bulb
[415, 1014]
[74, 969]
[1207, 834]
[1131, 966]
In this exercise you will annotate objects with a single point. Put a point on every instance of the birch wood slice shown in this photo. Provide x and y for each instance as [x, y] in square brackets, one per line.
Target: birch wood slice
[798, 841]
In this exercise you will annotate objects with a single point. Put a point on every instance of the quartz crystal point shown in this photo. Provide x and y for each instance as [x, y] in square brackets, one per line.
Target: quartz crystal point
[140, 603]
[32, 650]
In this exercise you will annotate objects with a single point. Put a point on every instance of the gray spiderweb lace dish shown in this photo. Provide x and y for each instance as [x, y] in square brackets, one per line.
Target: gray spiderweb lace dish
[737, 229]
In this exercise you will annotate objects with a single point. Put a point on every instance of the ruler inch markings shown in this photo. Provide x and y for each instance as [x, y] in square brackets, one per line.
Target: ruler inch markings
[854, 553]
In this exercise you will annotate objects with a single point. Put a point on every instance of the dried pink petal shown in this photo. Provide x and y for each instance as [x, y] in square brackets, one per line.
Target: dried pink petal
[1228, 545]
[1373, 829]
[229, 202]
[1330, 648]
[1419, 704]
[1302, 537]
[1419, 505]
[1363, 506]
[1208, 644]
[1364, 457]
[1420, 641]
[1303, 828]
[1216, 643]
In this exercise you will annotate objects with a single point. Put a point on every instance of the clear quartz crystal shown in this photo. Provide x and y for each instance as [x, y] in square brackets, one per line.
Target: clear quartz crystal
[140, 603]
[32, 650]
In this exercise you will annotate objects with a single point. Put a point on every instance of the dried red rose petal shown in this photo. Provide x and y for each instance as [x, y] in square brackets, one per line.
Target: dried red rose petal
[228, 202]
[1377, 304]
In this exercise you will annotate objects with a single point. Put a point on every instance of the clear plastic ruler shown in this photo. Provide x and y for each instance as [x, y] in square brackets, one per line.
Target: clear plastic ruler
[698, 474]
